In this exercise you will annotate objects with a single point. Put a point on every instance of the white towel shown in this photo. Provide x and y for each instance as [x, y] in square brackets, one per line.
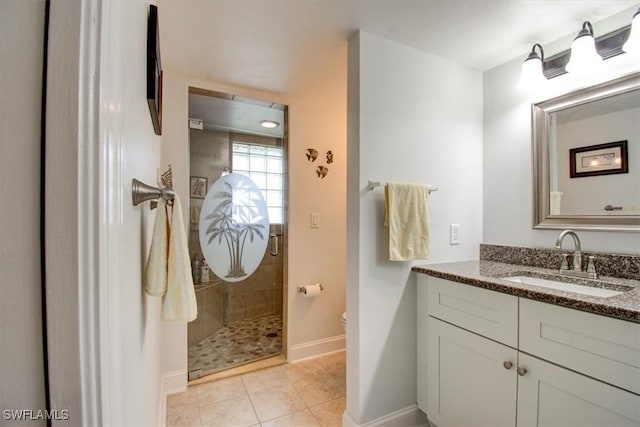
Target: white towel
[407, 216]
[155, 272]
[180, 300]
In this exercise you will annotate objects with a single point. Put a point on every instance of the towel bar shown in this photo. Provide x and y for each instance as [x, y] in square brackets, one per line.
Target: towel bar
[374, 184]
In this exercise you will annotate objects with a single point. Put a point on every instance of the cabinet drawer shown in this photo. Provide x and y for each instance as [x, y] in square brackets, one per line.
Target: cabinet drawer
[602, 347]
[487, 313]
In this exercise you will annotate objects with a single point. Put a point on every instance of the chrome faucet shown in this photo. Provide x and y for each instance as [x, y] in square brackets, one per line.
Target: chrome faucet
[577, 258]
[577, 254]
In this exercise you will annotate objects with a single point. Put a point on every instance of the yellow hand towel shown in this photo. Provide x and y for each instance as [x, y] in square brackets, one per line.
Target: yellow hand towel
[407, 216]
[180, 300]
[155, 272]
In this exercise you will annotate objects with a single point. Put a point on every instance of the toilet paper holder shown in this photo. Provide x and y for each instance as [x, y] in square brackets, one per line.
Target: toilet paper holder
[301, 288]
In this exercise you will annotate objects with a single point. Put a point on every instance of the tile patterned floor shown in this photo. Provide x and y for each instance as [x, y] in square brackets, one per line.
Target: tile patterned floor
[236, 344]
[308, 393]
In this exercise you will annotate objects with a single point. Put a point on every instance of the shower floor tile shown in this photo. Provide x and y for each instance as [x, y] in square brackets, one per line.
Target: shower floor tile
[236, 344]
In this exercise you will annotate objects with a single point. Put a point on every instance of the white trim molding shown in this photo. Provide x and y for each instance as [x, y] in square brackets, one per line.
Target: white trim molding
[170, 383]
[316, 348]
[347, 421]
[76, 378]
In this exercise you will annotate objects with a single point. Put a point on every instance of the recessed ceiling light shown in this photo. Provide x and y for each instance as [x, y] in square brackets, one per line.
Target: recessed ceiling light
[269, 124]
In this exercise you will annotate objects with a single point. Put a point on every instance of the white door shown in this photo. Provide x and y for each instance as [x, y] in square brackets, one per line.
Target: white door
[472, 380]
[549, 395]
[103, 330]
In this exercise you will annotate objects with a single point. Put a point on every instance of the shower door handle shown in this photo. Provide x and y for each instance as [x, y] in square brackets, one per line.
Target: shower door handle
[273, 244]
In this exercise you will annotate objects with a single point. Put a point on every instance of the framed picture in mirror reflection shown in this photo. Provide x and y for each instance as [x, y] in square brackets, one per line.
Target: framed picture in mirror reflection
[198, 187]
[601, 159]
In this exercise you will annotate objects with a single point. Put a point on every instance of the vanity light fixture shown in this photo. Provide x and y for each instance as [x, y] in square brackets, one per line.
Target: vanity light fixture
[269, 124]
[532, 76]
[632, 44]
[584, 56]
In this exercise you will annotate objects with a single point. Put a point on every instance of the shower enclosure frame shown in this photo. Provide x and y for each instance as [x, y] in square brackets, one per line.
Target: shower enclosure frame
[283, 244]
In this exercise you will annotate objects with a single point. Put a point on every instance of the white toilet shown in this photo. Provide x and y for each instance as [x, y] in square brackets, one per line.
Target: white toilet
[344, 321]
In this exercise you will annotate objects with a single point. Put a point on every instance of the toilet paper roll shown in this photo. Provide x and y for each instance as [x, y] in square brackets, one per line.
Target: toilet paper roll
[312, 291]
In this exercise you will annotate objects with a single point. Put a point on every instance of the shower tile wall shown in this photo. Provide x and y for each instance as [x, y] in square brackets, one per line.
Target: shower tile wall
[209, 155]
[260, 294]
[210, 312]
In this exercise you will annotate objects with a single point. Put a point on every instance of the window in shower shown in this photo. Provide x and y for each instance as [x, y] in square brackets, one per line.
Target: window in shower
[264, 165]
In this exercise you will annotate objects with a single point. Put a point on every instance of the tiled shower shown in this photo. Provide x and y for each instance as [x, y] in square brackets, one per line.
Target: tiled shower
[238, 322]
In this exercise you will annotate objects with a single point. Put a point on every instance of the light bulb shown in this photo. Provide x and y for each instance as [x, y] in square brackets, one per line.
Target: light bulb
[269, 124]
[584, 56]
[532, 76]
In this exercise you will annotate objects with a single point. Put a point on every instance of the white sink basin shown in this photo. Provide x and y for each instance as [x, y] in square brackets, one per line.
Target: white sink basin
[562, 286]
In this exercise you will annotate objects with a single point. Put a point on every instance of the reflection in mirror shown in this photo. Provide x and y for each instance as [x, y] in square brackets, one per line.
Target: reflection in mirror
[590, 146]
[587, 158]
[236, 211]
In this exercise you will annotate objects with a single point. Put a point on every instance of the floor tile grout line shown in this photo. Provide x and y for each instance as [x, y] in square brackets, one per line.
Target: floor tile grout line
[255, 412]
[318, 363]
[199, 413]
[218, 401]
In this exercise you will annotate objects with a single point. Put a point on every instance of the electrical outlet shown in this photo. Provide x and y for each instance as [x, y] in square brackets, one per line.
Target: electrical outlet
[454, 234]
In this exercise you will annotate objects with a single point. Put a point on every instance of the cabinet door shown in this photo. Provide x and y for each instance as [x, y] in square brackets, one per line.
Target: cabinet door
[549, 395]
[468, 382]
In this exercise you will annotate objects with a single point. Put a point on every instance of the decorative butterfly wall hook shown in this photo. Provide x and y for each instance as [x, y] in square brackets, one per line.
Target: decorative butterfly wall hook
[312, 154]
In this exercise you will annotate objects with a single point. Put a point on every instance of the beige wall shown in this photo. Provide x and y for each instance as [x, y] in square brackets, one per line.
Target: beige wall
[317, 118]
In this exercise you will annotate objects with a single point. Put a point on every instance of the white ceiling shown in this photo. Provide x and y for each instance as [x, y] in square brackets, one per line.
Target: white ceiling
[283, 45]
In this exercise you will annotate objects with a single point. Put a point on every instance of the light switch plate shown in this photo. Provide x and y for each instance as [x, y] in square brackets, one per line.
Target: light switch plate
[315, 220]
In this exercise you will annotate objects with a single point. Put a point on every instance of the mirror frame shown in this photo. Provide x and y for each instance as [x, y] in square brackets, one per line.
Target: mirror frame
[540, 120]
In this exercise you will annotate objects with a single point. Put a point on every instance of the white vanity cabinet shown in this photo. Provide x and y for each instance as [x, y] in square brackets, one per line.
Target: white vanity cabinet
[481, 352]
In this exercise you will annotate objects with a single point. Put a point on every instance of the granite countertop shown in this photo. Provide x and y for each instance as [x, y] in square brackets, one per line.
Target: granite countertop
[487, 274]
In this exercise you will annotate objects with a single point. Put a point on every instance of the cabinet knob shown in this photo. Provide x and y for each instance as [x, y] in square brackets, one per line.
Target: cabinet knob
[507, 365]
[521, 371]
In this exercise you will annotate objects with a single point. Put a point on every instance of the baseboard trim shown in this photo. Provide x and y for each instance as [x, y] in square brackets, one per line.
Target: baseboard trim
[316, 348]
[347, 421]
[170, 382]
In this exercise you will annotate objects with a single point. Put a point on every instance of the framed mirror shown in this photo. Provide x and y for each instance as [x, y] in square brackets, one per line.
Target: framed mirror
[586, 158]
